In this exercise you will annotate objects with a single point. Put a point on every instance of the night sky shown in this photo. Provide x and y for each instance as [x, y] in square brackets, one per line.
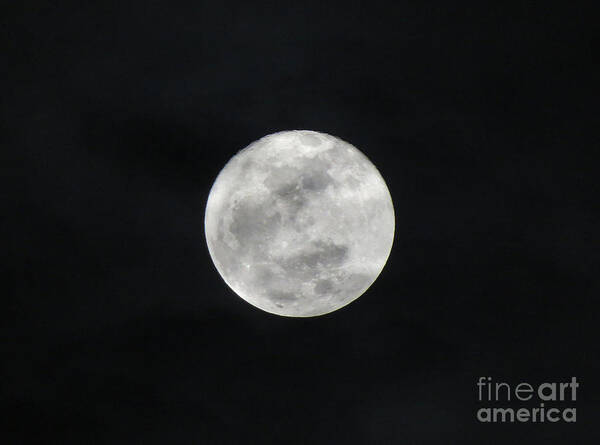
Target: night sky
[116, 119]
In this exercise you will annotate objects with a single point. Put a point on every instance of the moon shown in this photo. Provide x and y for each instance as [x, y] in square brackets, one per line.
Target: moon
[299, 223]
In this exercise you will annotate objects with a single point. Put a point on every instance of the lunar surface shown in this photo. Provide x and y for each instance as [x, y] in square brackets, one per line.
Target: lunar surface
[299, 223]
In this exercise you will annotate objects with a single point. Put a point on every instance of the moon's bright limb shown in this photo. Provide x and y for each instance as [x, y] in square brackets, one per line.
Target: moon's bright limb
[299, 223]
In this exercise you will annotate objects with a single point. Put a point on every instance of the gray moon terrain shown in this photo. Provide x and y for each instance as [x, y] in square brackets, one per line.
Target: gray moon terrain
[299, 223]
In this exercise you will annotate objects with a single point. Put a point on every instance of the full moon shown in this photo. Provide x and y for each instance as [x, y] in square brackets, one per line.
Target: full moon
[299, 223]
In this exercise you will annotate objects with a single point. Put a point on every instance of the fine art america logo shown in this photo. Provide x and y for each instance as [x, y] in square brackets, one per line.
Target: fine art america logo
[546, 402]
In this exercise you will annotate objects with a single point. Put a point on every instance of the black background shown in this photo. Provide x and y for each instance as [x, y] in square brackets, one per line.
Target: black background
[118, 116]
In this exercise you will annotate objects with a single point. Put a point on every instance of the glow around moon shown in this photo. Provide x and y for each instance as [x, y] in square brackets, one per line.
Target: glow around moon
[299, 223]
